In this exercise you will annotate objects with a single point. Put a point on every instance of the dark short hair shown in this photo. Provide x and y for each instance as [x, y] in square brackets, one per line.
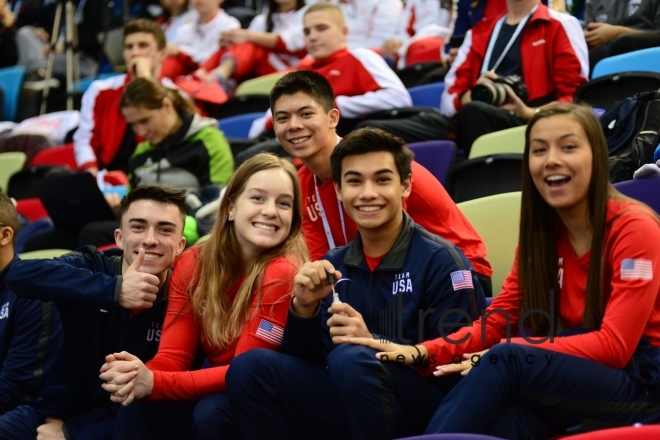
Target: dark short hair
[147, 26]
[8, 214]
[176, 197]
[370, 140]
[305, 81]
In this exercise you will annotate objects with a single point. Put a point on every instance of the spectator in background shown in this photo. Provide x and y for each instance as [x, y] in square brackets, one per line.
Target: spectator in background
[614, 27]
[182, 150]
[33, 40]
[196, 41]
[424, 28]
[8, 52]
[30, 339]
[544, 48]
[103, 139]
[370, 22]
[469, 13]
[274, 42]
[175, 13]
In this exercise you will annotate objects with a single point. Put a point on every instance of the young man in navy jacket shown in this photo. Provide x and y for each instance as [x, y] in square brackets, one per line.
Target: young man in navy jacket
[108, 305]
[30, 338]
[400, 283]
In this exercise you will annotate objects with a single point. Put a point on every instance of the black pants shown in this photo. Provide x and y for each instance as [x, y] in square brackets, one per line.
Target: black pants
[424, 126]
[476, 119]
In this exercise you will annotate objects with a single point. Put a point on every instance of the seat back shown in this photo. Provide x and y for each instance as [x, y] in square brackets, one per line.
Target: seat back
[238, 127]
[647, 60]
[427, 95]
[11, 81]
[10, 163]
[485, 176]
[63, 156]
[496, 218]
[607, 90]
[260, 85]
[511, 140]
[645, 190]
[436, 156]
[44, 253]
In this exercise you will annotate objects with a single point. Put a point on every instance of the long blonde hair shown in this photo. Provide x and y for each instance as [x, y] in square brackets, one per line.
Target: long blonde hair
[221, 320]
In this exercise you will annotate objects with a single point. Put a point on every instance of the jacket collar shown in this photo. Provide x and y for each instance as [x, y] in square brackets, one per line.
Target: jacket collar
[395, 258]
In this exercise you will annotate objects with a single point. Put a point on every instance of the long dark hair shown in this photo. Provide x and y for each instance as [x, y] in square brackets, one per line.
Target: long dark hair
[273, 7]
[537, 253]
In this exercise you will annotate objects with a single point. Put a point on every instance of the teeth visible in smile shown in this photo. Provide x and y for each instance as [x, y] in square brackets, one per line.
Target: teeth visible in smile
[150, 256]
[369, 208]
[264, 227]
[299, 140]
[555, 178]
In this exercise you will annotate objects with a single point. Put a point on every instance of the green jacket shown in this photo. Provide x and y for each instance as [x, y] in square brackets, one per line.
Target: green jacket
[195, 156]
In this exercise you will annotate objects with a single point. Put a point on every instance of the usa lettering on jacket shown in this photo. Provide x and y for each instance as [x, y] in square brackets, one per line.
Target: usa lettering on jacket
[153, 334]
[402, 283]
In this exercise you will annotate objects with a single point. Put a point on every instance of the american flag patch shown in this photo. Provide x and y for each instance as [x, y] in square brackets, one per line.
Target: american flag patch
[461, 279]
[632, 269]
[270, 332]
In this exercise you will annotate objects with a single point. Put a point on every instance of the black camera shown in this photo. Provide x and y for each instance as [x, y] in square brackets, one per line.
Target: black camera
[495, 93]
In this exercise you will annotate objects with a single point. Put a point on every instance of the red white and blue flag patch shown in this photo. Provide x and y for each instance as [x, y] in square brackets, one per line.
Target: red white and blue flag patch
[461, 279]
[636, 269]
[270, 332]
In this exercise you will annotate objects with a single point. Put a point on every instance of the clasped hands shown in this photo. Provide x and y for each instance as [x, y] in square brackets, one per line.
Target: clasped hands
[126, 378]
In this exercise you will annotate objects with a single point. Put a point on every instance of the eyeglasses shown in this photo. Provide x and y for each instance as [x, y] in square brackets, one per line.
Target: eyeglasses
[2, 225]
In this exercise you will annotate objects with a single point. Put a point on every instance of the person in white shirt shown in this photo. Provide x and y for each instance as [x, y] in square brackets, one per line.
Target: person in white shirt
[198, 40]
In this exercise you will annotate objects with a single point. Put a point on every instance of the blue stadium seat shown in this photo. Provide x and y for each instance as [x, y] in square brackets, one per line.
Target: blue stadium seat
[645, 60]
[238, 127]
[11, 82]
[427, 95]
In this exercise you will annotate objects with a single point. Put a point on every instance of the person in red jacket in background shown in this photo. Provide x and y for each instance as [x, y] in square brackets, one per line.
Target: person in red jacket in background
[228, 295]
[103, 139]
[362, 81]
[544, 49]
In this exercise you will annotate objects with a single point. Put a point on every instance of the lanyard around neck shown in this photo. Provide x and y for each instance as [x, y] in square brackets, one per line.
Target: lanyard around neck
[324, 218]
[493, 39]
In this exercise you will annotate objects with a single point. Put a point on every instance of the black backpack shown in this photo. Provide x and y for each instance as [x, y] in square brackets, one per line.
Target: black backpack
[632, 131]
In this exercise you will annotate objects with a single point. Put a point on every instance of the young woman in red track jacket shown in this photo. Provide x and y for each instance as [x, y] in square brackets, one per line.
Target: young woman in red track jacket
[573, 339]
[228, 295]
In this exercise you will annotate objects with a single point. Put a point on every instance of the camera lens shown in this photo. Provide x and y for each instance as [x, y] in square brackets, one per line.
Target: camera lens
[490, 93]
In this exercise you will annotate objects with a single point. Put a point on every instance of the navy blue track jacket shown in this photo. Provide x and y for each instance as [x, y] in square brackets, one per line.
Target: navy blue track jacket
[402, 301]
[30, 338]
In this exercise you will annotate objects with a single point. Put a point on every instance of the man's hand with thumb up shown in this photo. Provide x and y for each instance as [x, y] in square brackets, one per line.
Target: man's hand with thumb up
[138, 289]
